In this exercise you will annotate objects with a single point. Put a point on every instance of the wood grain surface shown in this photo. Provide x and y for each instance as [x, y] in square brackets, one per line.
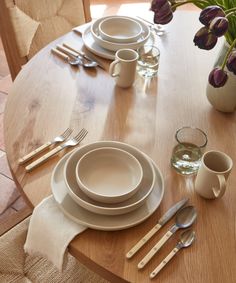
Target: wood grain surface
[49, 95]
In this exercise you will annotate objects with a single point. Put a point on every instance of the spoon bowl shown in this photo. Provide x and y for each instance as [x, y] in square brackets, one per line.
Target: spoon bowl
[185, 217]
[187, 238]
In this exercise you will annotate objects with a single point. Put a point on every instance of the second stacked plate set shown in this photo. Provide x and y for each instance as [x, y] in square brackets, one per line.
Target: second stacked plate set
[106, 35]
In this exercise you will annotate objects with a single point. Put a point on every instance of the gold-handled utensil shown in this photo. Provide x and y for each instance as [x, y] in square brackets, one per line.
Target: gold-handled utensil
[186, 240]
[36, 151]
[77, 57]
[81, 53]
[70, 143]
[184, 219]
[162, 221]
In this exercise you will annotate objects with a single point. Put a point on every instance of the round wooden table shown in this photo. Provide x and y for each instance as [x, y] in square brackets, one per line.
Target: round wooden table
[49, 95]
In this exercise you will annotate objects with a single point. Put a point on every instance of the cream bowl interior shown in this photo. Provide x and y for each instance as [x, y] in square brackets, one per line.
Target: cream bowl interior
[120, 29]
[108, 174]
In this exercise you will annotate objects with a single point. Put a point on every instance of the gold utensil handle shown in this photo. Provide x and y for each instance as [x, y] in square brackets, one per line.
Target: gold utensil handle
[164, 262]
[60, 54]
[154, 250]
[74, 50]
[34, 152]
[42, 159]
[66, 51]
[143, 241]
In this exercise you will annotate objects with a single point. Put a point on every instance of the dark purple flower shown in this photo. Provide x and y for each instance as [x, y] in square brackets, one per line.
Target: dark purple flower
[209, 13]
[231, 62]
[157, 4]
[219, 26]
[217, 77]
[204, 39]
[163, 19]
[162, 11]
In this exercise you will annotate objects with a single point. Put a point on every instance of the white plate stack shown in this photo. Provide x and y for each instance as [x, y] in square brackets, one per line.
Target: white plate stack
[72, 196]
[106, 35]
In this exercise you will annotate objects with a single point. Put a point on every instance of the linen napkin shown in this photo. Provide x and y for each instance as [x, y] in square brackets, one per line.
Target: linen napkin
[50, 232]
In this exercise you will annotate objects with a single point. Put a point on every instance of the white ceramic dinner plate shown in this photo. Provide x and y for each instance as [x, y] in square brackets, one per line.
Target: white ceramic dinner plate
[103, 222]
[132, 203]
[97, 49]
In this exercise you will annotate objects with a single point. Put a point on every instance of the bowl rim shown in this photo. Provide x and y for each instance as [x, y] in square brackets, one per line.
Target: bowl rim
[131, 190]
[118, 39]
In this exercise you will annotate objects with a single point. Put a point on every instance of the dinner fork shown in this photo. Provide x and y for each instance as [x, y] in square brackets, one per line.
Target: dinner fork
[57, 139]
[70, 143]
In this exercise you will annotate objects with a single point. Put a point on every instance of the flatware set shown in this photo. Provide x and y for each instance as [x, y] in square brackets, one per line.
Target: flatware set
[162, 221]
[43, 147]
[73, 56]
[74, 141]
[185, 217]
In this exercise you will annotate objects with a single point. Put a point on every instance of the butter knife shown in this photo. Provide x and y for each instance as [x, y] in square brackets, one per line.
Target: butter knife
[162, 221]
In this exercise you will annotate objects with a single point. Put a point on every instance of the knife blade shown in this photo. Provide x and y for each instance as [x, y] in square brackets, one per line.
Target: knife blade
[161, 222]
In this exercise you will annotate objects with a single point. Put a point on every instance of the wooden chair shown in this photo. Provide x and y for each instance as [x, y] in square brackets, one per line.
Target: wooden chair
[26, 26]
[16, 266]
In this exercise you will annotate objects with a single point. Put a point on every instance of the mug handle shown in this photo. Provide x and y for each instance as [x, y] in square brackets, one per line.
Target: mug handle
[112, 68]
[218, 193]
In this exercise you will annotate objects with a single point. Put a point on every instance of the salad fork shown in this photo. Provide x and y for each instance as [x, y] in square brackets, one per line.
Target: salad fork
[57, 139]
[70, 143]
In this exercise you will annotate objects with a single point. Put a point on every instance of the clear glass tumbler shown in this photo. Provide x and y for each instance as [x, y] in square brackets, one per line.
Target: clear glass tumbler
[187, 153]
[148, 61]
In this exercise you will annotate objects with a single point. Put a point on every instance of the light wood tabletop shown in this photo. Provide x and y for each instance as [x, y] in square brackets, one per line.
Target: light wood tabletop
[49, 95]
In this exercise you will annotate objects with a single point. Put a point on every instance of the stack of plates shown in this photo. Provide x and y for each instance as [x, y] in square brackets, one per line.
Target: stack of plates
[78, 206]
[106, 48]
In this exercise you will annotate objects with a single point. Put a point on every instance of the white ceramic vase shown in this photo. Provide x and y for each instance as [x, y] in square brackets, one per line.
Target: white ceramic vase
[223, 98]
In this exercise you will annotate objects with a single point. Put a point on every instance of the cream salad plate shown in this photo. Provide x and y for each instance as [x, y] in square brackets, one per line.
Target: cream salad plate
[94, 42]
[97, 221]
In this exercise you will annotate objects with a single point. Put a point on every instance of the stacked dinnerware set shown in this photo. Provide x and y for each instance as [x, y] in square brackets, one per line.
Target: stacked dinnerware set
[106, 35]
[107, 185]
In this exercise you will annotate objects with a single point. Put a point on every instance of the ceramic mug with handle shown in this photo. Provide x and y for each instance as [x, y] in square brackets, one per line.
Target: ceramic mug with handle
[123, 69]
[211, 180]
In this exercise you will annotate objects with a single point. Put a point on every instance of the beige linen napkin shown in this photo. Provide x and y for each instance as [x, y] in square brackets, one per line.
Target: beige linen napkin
[50, 232]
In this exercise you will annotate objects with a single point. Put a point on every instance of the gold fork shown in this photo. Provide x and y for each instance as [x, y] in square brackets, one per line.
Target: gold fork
[57, 139]
[71, 142]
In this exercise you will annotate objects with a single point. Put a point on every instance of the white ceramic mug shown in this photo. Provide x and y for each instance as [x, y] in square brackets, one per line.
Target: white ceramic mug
[211, 180]
[123, 69]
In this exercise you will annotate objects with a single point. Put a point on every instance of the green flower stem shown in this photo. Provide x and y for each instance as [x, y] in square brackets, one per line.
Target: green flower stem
[189, 1]
[227, 54]
[230, 10]
[230, 13]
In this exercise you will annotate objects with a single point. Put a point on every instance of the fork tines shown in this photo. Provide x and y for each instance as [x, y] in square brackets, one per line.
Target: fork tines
[81, 135]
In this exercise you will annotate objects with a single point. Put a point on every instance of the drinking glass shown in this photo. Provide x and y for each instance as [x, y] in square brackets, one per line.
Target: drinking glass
[148, 61]
[187, 153]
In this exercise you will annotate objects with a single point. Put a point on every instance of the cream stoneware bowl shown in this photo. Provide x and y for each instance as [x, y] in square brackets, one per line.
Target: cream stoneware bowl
[136, 201]
[120, 29]
[114, 46]
[109, 175]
